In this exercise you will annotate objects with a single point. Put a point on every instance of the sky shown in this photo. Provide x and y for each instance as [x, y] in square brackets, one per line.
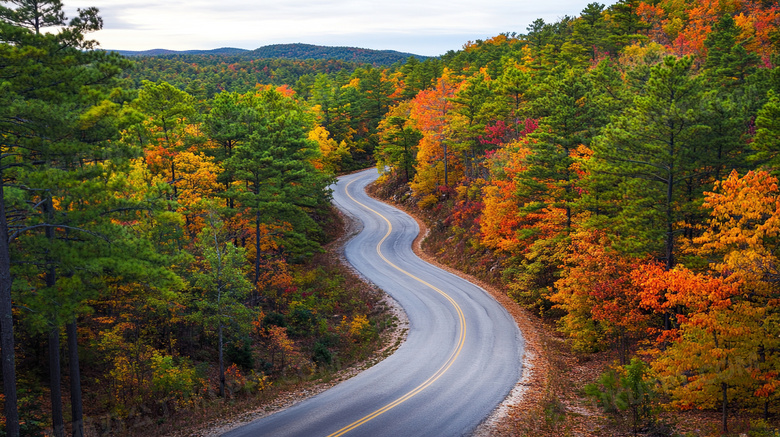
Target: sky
[422, 27]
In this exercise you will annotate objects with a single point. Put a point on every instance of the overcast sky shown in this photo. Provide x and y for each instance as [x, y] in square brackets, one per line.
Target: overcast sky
[424, 27]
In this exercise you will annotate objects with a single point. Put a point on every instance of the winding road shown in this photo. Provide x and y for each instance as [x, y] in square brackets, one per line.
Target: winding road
[459, 361]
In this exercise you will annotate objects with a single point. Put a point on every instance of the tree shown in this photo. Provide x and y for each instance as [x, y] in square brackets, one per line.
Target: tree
[741, 239]
[513, 85]
[724, 346]
[501, 224]
[229, 122]
[335, 157]
[430, 112]
[567, 121]
[767, 140]
[224, 284]
[34, 14]
[590, 30]
[649, 162]
[471, 103]
[377, 89]
[275, 177]
[51, 90]
[626, 24]
[398, 142]
[625, 388]
[728, 62]
[166, 131]
[602, 304]
[704, 354]
[650, 153]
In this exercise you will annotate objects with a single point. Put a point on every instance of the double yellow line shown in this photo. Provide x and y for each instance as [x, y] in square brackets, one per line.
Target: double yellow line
[443, 369]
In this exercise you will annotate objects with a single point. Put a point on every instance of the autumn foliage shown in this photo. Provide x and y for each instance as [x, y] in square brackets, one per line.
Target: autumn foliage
[614, 171]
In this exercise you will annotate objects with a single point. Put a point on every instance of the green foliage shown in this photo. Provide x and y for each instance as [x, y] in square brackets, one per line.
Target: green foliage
[728, 62]
[279, 183]
[398, 147]
[649, 158]
[767, 139]
[228, 72]
[240, 352]
[761, 428]
[275, 319]
[626, 389]
[322, 355]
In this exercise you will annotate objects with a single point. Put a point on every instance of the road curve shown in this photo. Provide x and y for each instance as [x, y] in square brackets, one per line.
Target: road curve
[459, 361]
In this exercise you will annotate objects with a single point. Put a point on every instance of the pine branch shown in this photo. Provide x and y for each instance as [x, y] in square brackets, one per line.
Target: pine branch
[16, 234]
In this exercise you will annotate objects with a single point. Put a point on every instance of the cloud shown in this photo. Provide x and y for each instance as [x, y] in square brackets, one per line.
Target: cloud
[425, 27]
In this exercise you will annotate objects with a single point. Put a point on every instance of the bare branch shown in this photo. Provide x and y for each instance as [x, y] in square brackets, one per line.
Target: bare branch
[47, 225]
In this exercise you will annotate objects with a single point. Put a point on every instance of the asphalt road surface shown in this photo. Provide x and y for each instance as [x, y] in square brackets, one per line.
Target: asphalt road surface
[460, 359]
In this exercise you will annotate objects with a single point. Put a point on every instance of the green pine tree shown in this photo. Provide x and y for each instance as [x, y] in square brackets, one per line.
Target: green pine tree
[53, 125]
[648, 157]
[278, 181]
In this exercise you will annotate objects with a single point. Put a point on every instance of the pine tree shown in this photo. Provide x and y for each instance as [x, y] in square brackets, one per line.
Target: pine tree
[34, 14]
[590, 30]
[398, 142]
[52, 137]
[728, 63]
[275, 175]
[224, 286]
[767, 140]
[649, 154]
[165, 132]
[471, 102]
[229, 123]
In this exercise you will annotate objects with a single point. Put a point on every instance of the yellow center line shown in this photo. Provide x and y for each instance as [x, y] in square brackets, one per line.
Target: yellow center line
[443, 369]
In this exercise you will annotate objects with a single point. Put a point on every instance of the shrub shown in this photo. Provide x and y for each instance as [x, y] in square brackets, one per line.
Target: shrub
[626, 388]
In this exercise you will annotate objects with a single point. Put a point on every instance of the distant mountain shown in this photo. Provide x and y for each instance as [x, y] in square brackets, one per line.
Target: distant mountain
[351, 54]
[164, 52]
[291, 51]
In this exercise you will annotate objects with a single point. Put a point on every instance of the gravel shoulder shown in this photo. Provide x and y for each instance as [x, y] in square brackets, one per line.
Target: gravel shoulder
[527, 393]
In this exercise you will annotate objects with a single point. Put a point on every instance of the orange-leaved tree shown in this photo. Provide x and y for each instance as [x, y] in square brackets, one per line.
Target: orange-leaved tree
[726, 337]
[741, 240]
[706, 353]
[602, 304]
[501, 219]
[431, 112]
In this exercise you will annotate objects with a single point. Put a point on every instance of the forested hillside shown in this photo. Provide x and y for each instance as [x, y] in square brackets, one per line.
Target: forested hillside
[161, 218]
[617, 172]
[162, 251]
[297, 51]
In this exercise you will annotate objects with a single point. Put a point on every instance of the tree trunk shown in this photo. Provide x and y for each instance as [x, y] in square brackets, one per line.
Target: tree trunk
[76, 406]
[257, 248]
[55, 383]
[725, 407]
[221, 365]
[173, 180]
[7, 327]
[669, 223]
[446, 167]
[766, 409]
[406, 155]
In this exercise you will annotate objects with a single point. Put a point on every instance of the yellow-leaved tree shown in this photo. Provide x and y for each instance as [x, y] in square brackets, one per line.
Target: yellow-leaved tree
[726, 345]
